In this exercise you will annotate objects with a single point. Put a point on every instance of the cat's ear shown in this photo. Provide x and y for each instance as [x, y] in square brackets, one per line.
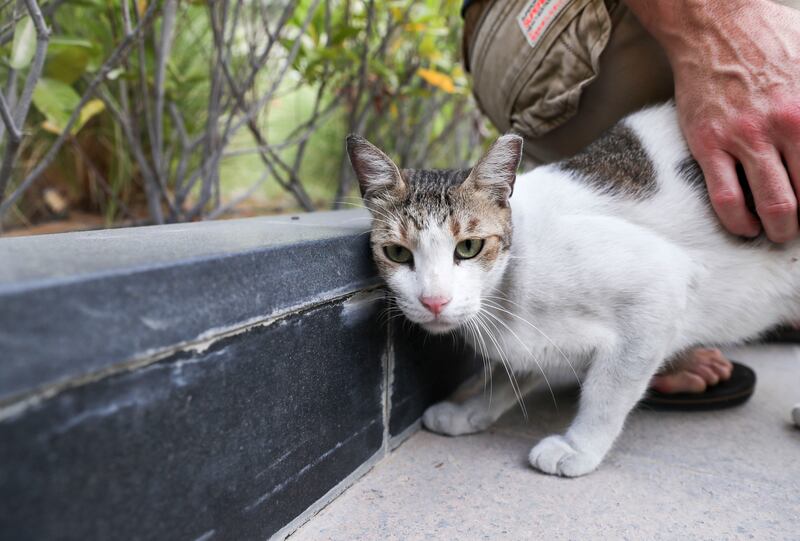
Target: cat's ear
[376, 172]
[497, 170]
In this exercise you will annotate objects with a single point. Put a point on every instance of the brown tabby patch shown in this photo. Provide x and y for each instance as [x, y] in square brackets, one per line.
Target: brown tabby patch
[616, 163]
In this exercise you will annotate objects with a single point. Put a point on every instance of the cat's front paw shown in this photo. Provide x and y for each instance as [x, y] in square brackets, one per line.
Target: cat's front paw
[453, 419]
[557, 456]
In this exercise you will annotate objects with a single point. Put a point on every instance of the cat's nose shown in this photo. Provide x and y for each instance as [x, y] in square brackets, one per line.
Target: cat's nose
[434, 304]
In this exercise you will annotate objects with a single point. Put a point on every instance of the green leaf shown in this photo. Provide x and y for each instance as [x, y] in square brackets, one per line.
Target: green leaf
[56, 100]
[67, 59]
[24, 46]
[91, 109]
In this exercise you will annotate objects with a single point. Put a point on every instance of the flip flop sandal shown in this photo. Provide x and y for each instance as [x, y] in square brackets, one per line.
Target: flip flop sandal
[725, 394]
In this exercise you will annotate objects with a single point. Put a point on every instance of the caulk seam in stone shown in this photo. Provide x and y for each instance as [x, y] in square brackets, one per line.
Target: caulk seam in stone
[19, 404]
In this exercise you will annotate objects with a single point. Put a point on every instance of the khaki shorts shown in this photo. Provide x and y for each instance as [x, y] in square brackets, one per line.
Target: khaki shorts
[560, 72]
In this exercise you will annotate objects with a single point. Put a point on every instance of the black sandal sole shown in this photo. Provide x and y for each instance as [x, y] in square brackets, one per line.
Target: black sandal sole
[726, 394]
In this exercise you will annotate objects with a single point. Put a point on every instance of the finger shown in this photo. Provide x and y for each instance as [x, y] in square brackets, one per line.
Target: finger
[726, 195]
[787, 131]
[774, 195]
[792, 158]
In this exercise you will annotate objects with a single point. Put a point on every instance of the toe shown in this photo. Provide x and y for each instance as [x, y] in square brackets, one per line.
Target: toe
[548, 453]
[678, 382]
[723, 369]
[706, 372]
[556, 456]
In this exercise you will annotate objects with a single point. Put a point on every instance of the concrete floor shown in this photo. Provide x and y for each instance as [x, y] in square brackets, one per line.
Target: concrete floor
[732, 474]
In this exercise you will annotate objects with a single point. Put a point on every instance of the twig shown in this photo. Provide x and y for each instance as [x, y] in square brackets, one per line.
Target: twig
[7, 34]
[20, 112]
[102, 180]
[163, 51]
[250, 112]
[13, 131]
[219, 211]
[101, 75]
[144, 98]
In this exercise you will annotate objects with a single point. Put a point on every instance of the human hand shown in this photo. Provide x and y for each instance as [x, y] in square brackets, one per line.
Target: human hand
[737, 89]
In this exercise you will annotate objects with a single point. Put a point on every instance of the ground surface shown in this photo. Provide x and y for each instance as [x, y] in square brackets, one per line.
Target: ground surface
[732, 474]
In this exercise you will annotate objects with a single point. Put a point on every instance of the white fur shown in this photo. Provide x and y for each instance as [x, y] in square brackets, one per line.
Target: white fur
[616, 285]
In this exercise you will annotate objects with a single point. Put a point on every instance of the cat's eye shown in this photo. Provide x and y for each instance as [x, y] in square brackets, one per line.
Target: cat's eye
[469, 248]
[397, 253]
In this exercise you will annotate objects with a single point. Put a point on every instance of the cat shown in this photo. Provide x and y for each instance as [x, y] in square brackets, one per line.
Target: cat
[609, 263]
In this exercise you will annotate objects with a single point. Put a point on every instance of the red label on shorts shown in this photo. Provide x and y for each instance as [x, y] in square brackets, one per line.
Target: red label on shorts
[536, 17]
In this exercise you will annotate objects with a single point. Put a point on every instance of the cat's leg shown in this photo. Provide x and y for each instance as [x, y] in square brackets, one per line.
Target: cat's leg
[474, 407]
[615, 382]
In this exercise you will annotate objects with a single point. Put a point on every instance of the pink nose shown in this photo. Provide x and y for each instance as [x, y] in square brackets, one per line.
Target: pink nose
[434, 304]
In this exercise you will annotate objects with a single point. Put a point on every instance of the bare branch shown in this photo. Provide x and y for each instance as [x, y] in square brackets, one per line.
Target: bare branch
[163, 50]
[20, 112]
[101, 179]
[7, 34]
[101, 75]
[251, 111]
[151, 185]
[219, 211]
[13, 131]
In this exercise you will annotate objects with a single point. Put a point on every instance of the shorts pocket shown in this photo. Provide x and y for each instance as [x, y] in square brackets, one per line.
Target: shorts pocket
[533, 59]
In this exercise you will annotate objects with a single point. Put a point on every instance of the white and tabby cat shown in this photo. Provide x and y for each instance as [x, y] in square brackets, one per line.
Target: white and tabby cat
[612, 261]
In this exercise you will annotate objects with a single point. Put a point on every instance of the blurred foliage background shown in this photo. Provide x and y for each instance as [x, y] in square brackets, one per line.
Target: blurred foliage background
[143, 111]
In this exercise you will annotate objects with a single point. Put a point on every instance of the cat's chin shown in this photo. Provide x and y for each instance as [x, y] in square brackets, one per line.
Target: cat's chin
[438, 327]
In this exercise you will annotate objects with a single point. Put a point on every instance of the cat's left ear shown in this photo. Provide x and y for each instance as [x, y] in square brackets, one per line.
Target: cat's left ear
[497, 170]
[376, 172]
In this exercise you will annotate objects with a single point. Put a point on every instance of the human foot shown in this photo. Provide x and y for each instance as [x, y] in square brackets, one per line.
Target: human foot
[693, 372]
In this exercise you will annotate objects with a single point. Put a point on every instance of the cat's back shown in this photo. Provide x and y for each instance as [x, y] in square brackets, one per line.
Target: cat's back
[631, 211]
[641, 170]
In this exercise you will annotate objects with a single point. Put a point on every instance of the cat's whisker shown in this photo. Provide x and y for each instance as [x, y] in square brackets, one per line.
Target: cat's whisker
[495, 306]
[487, 299]
[530, 353]
[484, 357]
[380, 212]
[484, 353]
[506, 364]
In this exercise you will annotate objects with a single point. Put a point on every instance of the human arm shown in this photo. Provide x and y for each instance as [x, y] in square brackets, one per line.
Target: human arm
[736, 65]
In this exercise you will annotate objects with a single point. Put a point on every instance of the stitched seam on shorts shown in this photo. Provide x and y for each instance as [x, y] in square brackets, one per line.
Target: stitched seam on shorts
[514, 85]
[602, 44]
[473, 61]
[568, 46]
[483, 51]
[547, 126]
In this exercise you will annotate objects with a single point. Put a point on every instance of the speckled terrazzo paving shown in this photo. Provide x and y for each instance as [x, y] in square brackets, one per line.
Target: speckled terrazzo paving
[732, 474]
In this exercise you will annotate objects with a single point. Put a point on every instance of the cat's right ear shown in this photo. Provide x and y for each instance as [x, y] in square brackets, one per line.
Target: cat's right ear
[376, 172]
[497, 170]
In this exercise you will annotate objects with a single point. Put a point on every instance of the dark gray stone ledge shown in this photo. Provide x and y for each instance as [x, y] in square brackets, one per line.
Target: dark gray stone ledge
[237, 439]
[209, 380]
[78, 303]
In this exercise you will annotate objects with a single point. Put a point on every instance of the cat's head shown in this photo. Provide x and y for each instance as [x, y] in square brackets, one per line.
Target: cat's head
[440, 239]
